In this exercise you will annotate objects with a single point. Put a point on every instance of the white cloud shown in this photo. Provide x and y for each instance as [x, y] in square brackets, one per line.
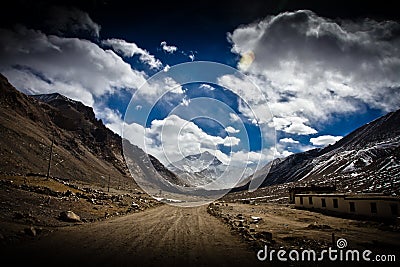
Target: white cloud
[207, 86]
[231, 130]
[168, 48]
[136, 134]
[166, 68]
[39, 63]
[191, 57]
[293, 125]
[174, 138]
[26, 80]
[242, 157]
[289, 141]
[111, 118]
[230, 141]
[133, 132]
[156, 88]
[172, 86]
[324, 140]
[288, 146]
[130, 49]
[233, 117]
[240, 86]
[252, 101]
[185, 102]
[312, 67]
[280, 151]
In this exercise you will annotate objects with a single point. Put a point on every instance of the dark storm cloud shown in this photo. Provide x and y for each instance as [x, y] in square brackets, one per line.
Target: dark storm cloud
[70, 20]
[315, 60]
[366, 47]
[38, 63]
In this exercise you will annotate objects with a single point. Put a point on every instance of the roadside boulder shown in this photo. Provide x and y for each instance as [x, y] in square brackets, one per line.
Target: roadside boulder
[264, 235]
[69, 216]
[30, 231]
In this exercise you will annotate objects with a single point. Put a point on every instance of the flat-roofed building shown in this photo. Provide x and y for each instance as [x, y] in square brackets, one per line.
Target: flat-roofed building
[310, 189]
[366, 205]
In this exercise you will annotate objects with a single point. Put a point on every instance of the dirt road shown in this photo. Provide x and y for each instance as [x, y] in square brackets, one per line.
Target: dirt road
[162, 236]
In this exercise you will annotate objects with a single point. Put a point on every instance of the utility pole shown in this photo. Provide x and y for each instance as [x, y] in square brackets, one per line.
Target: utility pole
[108, 189]
[51, 157]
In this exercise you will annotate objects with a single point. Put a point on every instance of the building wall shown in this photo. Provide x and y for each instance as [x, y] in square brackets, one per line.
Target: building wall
[362, 205]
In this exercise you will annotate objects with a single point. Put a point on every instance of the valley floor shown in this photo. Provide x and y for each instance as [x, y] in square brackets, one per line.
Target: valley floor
[132, 229]
[162, 236]
[281, 226]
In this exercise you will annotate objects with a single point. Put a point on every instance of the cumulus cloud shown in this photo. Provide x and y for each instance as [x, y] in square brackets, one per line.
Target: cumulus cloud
[70, 20]
[233, 117]
[231, 130]
[240, 86]
[156, 88]
[166, 68]
[242, 157]
[207, 86]
[111, 118]
[324, 140]
[293, 125]
[174, 138]
[38, 63]
[312, 67]
[288, 146]
[133, 132]
[185, 102]
[289, 141]
[168, 48]
[127, 49]
[251, 100]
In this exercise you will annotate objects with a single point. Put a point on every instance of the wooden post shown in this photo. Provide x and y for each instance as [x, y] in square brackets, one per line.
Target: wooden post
[51, 157]
[109, 178]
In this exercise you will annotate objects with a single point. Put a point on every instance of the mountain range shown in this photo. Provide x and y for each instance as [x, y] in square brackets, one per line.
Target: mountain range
[83, 148]
[206, 170]
[366, 160]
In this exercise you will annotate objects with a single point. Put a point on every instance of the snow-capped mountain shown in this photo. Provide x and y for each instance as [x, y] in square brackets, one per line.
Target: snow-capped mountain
[367, 159]
[52, 97]
[206, 170]
[195, 163]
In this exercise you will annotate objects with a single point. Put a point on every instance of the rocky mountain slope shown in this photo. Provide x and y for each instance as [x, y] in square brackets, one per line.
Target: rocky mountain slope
[83, 148]
[367, 159]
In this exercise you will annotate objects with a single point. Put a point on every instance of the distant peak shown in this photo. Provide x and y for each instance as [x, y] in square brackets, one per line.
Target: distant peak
[205, 154]
[51, 97]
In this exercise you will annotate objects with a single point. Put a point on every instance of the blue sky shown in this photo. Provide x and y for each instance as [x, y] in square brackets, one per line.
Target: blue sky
[324, 70]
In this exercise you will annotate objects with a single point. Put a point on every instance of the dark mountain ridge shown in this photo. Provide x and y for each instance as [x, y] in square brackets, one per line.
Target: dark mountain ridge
[366, 160]
[84, 148]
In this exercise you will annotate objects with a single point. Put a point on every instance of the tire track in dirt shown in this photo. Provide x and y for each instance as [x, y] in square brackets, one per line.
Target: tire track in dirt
[162, 236]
